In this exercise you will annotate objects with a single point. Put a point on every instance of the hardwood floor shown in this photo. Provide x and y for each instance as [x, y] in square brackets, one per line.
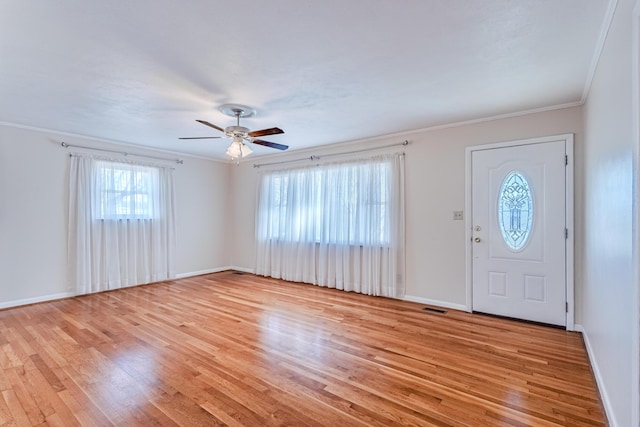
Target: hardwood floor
[241, 350]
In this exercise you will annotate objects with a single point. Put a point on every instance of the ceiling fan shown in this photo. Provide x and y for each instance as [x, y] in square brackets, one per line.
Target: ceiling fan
[239, 134]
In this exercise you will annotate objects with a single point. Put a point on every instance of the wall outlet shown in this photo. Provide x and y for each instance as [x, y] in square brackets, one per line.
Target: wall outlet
[458, 215]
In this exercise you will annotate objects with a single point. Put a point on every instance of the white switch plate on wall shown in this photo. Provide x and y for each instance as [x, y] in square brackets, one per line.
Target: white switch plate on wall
[458, 215]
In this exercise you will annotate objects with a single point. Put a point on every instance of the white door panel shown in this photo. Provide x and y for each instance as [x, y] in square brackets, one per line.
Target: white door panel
[519, 251]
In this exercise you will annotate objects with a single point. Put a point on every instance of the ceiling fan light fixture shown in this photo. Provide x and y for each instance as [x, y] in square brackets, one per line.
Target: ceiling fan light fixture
[234, 149]
[238, 149]
[245, 150]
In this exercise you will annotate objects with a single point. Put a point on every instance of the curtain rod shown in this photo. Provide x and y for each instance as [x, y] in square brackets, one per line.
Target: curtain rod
[312, 157]
[124, 153]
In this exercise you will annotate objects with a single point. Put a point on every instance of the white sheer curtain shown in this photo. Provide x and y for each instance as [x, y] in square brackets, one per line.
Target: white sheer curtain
[339, 225]
[121, 224]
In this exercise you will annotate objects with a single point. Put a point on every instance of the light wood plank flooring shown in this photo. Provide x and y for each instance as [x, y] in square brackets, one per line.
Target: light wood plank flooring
[241, 350]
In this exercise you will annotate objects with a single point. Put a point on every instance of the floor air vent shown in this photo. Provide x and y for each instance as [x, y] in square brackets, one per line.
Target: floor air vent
[434, 310]
[238, 272]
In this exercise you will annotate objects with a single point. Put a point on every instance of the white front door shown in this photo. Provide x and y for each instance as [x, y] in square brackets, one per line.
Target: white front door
[518, 198]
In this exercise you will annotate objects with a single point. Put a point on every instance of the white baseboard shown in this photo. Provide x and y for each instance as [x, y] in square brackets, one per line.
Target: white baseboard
[243, 269]
[435, 302]
[53, 297]
[606, 402]
[44, 298]
[214, 270]
[201, 272]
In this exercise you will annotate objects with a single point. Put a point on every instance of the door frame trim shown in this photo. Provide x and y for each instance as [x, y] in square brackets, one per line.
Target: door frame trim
[635, 98]
[569, 243]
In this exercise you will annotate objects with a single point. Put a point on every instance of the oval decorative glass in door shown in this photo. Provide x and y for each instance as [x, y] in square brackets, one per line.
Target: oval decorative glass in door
[515, 210]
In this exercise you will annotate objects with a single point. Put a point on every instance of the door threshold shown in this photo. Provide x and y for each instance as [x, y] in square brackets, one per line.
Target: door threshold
[530, 322]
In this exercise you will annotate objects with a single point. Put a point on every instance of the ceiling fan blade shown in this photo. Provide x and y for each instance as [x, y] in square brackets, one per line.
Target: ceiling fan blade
[263, 132]
[270, 144]
[204, 122]
[201, 137]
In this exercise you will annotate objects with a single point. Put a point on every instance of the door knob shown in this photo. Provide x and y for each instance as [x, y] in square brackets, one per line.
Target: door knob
[477, 240]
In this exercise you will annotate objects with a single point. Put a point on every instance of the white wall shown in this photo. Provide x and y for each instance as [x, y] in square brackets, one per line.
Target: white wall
[435, 185]
[33, 217]
[202, 191]
[33, 214]
[609, 294]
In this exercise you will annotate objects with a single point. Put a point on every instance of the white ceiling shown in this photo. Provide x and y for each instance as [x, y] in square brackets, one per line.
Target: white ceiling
[326, 71]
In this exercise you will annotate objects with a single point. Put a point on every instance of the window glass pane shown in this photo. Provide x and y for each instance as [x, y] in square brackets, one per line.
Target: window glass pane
[515, 210]
[125, 191]
[342, 204]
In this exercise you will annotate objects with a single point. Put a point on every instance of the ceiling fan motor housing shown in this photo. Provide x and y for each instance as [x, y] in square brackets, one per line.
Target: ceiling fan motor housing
[236, 131]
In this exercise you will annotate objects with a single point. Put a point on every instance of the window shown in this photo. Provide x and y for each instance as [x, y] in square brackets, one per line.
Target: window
[121, 224]
[339, 225]
[515, 210]
[342, 204]
[125, 191]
